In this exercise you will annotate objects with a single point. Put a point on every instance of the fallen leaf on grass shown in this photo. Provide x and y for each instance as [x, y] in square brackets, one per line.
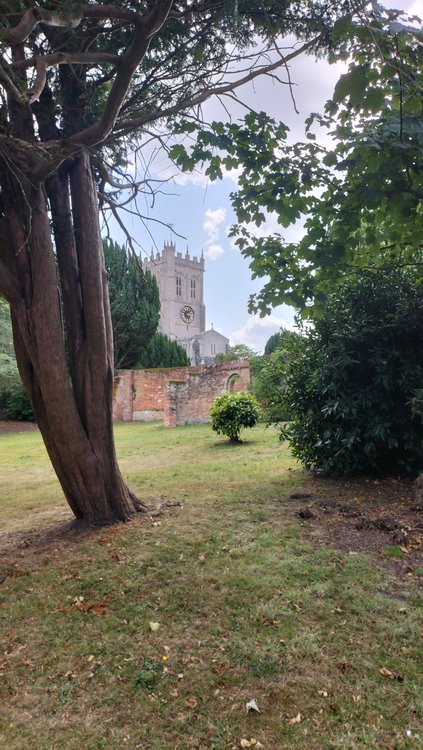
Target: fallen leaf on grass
[154, 626]
[252, 706]
[391, 675]
[220, 668]
[250, 743]
[97, 608]
[191, 703]
[104, 540]
[295, 719]
[271, 623]
[60, 609]
[26, 663]
[343, 666]
[386, 673]
[98, 611]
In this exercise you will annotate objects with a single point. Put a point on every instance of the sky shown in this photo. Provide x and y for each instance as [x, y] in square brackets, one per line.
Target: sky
[200, 211]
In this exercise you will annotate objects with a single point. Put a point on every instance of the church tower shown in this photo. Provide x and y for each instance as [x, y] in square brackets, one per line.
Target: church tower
[180, 282]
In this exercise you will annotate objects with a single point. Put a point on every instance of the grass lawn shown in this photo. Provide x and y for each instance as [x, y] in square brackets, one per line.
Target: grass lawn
[157, 633]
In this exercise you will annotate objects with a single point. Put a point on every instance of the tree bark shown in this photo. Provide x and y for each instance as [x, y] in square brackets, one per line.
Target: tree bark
[72, 404]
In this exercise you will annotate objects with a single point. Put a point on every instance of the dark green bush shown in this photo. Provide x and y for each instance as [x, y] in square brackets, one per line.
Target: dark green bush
[161, 351]
[15, 403]
[355, 389]
[232, 412]
[268, 376]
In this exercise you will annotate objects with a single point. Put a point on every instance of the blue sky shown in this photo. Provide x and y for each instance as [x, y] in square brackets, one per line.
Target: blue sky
[201, 211]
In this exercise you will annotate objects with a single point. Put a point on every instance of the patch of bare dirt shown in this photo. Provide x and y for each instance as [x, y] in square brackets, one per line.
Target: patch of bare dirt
[381, 518]
[9, 426]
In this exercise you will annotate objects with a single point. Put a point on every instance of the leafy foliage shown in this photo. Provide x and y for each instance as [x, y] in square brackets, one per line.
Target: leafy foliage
[269, 373]
[13, 400]
[354, 388]
[8, 368]
[232, 412]
[272, 343]
[278, 341]
[134, 304]
[15, 403]
[161, 351]
[360, 197]
[239, 351]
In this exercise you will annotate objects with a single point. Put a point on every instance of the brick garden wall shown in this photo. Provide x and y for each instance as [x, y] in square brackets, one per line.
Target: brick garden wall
[178, 395]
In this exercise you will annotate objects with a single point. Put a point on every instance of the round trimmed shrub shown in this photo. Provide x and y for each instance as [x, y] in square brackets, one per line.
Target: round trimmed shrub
[233, 412]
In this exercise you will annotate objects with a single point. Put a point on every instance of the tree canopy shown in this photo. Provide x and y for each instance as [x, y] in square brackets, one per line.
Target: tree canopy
[134, 304]
[269, 374]
[358, 190]
[238, 351]
[277, 341]
[161, 351]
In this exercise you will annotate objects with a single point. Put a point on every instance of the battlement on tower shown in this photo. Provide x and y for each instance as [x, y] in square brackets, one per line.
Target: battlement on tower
[169, 251]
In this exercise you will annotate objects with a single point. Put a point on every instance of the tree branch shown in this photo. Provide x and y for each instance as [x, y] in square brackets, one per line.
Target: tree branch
[10, 87]
[145, 30]
[42, 62]
[30, 19]
[62, 58]
[213, 91]
[110, 202]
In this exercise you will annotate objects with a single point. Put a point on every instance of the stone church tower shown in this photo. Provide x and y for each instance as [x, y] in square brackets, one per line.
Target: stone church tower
[182, 314]
[180, 281]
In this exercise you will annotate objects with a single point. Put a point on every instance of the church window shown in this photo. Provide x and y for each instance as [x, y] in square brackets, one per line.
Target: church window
[192, 288]
[179, 286]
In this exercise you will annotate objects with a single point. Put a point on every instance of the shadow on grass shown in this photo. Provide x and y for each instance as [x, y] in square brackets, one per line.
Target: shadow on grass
[228, 445]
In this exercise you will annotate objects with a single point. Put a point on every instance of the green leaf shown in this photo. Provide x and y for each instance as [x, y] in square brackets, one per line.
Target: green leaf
[352, 86]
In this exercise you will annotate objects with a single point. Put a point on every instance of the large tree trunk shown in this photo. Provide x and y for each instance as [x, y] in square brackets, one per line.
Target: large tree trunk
[67, 365]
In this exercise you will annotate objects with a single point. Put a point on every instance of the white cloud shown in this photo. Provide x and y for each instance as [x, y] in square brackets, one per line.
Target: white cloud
[213, 252]
[197, 178]
[213, 219]
[256, 331]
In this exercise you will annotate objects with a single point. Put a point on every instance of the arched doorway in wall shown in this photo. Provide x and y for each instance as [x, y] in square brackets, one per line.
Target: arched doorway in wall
[235, 383]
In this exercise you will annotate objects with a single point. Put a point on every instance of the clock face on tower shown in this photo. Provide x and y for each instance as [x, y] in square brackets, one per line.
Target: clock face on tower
[187, 314]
